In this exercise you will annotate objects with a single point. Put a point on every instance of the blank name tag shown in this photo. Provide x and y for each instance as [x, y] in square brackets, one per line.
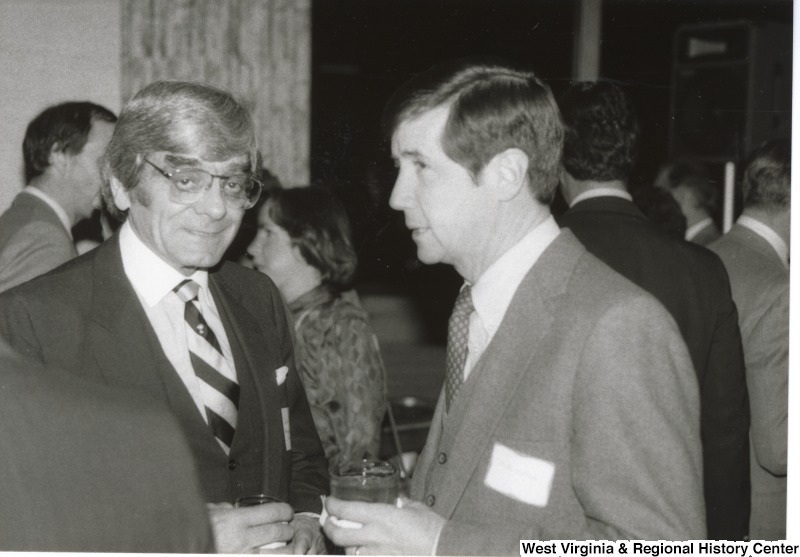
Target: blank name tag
[522, 477]
[287, 434]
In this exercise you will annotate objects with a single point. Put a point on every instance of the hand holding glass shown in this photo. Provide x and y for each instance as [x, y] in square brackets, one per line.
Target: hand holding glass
[373, 481]
[249, 501]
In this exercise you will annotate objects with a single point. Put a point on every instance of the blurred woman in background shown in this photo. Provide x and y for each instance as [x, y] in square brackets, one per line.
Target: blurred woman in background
[303, 244]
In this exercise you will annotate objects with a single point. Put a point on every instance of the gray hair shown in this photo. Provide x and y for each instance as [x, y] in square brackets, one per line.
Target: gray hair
[177, 117]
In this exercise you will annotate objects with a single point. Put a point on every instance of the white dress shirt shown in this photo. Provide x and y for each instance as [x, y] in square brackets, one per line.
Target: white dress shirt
[601, 192]
[153, 280]
[493, 291]
[769, 235]
[53, 204]
[697, 227]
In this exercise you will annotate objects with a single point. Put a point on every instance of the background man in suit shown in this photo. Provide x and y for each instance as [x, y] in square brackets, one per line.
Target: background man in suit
[65, 446]
[599, 151]
[756, 253]
[153, 310]
[688, 182]
[62, 148]
[570, 409]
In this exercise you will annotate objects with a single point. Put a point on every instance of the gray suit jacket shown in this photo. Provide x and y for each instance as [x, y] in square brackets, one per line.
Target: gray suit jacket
[760, 285]
[32, 241]
[589, 384]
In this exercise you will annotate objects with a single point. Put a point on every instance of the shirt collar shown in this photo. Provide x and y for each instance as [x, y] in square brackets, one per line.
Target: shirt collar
[601, 192]
[769, 235]
[695, 229]
[493, 291]
[152, 277]
[53, 204]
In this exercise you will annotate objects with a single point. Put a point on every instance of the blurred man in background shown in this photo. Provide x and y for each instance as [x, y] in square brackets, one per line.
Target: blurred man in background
[62, 150]
[756, 253]
[689, 183]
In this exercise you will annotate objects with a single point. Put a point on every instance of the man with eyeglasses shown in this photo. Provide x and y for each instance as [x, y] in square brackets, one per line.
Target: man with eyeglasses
[154, 310]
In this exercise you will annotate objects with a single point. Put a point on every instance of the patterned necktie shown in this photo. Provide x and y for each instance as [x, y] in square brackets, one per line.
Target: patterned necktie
[218, 385]
[457, 336]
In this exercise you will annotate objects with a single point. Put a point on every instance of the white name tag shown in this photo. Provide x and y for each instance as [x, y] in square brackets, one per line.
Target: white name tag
[287, 435]
[522, 477]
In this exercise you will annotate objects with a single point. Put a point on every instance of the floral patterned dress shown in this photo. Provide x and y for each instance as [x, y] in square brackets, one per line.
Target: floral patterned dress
[339, 361]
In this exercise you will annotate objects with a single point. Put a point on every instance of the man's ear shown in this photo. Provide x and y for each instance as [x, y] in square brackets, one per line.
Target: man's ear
[507, 173]
[57, 158]
[122, 198]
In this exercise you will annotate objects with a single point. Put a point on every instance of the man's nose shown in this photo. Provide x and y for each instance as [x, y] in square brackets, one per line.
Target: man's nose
[398, 200]
[212, 202]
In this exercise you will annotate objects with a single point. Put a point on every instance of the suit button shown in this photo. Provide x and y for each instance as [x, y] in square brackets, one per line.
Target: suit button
[430, 501]
[231, 464]
[442, 458]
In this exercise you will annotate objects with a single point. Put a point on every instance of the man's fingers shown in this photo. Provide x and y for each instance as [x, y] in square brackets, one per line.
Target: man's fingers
[345, 537]
[300, 546]
[357, 511]
[266, 513]
[263, 534]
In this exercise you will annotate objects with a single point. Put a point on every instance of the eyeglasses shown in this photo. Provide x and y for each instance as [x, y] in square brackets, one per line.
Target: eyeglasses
[240, 191]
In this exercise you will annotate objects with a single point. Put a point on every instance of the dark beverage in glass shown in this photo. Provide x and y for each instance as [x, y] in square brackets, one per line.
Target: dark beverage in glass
[373, 481]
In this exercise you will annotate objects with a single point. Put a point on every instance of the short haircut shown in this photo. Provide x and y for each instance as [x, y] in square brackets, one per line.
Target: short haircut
[64, 128]
[766, 183]
[317, 224]
[601, 132]
[693, 175]
[492, 108]
[177, 117]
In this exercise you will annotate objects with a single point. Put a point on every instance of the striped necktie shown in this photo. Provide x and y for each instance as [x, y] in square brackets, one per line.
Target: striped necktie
[218, 385]
[457, 338]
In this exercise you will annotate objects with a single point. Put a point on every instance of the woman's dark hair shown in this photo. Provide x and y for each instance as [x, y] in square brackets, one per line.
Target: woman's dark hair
[317, 224]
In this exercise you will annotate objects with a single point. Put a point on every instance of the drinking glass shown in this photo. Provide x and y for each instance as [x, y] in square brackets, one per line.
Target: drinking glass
[373, 481]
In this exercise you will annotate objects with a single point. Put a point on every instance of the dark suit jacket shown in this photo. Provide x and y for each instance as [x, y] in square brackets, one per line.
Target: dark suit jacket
[32, 241]
[692, 284]
[584, 406]
[92, 469]
[760, 285]
[85, 317]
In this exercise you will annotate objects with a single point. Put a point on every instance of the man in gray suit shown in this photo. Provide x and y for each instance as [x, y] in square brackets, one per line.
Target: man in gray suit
[62, 148]
[756, 255]
[570, 408]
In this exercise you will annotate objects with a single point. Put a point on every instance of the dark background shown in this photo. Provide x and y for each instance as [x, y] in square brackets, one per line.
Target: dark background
[364, 49]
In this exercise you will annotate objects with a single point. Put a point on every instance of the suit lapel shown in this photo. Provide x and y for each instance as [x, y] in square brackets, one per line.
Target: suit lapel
[469, 427]
[250, 346]
[122, 342]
